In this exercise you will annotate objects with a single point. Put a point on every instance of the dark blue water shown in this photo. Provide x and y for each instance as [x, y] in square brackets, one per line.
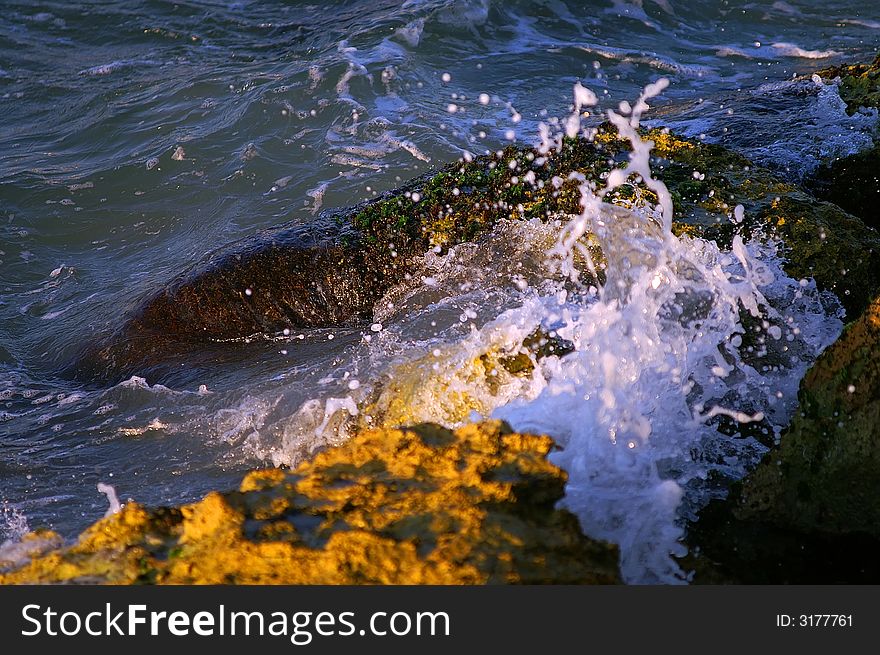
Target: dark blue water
[136, 137]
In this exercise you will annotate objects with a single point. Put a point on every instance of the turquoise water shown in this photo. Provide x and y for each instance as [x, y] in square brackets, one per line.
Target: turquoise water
[137, 137]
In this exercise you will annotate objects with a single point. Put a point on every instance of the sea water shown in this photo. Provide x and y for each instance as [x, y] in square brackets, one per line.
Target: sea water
[138, 137]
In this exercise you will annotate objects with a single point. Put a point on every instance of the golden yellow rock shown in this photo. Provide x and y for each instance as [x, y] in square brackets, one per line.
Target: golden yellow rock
[421, 505]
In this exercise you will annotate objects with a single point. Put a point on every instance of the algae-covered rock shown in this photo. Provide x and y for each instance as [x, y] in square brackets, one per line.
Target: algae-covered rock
[852, 181]
[859, 83]
[822, 241]
[421, 505]
[333, 272]
[825, 474]
[810, 512]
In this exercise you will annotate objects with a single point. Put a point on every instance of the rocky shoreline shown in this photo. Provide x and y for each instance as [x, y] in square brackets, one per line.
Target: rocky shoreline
[427, 505]
[808, 512]
[419, 505]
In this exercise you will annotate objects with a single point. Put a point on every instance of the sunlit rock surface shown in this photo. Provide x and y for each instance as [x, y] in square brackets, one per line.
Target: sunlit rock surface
[422, 505]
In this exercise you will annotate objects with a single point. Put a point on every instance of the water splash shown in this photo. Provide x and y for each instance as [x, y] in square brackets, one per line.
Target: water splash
[681, 334]
[112, 498]
[14, 523]
[683, 366]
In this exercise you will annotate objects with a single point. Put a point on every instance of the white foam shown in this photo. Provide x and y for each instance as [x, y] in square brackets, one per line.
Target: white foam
[792, 50]
[652, 59]
[14, 550]
[317, 196]
[824, 132]
[630, 405]
[872, 24]
[113, 66]
[104, 69]
[112, 498]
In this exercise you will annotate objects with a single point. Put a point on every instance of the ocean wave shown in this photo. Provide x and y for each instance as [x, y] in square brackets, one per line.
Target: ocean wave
[792, 50]
[658, 62]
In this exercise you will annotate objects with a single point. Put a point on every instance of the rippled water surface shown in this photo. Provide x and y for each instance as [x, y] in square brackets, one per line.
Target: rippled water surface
[136, 137]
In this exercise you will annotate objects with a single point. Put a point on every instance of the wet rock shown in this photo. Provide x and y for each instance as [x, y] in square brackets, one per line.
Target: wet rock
[289, 278]
[422, 505]
[826, 473]
[822, 241]
[538, 345]
[728, 550]
[859, 84]
[449, 384]
[810, 512]
[853, 182]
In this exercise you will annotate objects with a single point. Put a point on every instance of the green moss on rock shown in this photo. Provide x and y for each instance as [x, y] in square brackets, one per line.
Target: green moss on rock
[825, 476]
[859, 84]
[810, 512]
[822, 241]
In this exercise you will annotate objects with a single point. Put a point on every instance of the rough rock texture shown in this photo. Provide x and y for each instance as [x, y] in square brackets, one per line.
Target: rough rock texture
[422, 505]
[859, 83]
[824, 242]
[826, 472]
[853, 182]
[292, 278]
[810, 512]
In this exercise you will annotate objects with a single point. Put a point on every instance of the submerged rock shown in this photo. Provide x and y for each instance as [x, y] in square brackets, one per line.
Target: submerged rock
[421, 505]
[810, 512]
[449, 385]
